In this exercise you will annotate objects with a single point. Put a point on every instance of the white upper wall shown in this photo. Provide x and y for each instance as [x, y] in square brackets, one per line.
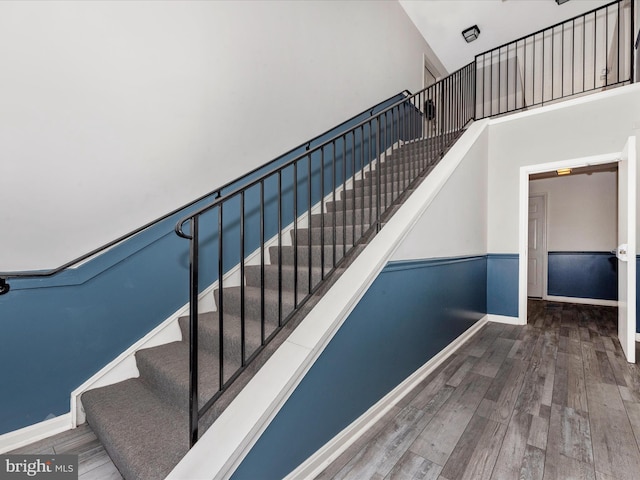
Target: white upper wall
[581, 211]
[591, 125]
[455, 223]
[114, 113]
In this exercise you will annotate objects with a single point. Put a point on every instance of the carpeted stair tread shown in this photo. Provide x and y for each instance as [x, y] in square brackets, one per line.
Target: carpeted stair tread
[166, 369]
[145, 436]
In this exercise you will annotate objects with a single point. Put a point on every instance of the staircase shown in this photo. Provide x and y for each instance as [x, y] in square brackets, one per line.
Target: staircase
[143, 422]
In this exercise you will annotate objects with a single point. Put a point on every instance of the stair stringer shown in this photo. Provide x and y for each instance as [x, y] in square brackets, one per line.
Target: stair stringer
[124, 366]
[224, 445]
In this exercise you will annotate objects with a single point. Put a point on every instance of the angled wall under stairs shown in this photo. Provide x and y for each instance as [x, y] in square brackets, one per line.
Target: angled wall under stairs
[143, 422]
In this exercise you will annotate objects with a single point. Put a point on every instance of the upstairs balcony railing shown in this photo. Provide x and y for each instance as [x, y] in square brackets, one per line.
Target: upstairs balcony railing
[589, 53]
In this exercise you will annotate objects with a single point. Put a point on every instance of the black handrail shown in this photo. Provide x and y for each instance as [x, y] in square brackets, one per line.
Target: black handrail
[318, 147]
[4, 286]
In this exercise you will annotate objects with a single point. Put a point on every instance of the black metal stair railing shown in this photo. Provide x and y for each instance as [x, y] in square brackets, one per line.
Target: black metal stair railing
[587, 53]
[306, 216]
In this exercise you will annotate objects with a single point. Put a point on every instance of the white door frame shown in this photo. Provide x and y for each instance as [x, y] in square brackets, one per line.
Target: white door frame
[545, 260]
[524, 214]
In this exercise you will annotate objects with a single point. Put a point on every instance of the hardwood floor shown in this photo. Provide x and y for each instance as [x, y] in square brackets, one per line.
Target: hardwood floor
[554, 399]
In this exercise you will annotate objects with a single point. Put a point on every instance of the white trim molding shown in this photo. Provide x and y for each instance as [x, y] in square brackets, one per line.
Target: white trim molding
[33, 433]
[505, 319]
[583, 301]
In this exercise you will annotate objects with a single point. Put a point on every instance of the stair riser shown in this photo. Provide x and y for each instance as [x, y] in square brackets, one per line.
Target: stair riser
[252, 306]
[363, 217]
[316, 252]
[209, 339]
[367, 191]
[360, 203]
[176, 393]
[340, 233]
[252, 275]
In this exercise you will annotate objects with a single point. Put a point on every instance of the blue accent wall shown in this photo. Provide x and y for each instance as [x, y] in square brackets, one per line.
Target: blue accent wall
[411, 312]
[56, 332]
[583, 275]
[502, 284]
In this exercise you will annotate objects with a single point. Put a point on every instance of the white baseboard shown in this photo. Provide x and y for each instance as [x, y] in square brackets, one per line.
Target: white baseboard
[341, 442]
[33, 433]
[637, 337]
[504, 319]
[584, 301]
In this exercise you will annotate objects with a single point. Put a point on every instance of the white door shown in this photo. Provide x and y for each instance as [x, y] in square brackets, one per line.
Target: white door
[626, 251]
[537, 246]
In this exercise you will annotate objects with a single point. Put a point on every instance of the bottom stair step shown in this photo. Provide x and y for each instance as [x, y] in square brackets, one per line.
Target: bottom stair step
[144, 436]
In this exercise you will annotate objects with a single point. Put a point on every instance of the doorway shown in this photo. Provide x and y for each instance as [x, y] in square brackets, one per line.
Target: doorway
[626, 218]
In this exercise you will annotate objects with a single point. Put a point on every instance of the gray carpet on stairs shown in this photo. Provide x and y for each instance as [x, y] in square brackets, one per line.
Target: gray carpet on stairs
[142, 422]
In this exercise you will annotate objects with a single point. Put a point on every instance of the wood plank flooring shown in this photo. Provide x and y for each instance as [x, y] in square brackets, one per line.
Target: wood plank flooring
[93, 461]
[554, 399]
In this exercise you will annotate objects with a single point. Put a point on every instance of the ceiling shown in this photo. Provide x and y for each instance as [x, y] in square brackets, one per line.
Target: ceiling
[441, 23]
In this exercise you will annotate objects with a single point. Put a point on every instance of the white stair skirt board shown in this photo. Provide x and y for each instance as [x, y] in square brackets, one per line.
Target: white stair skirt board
[315, 464]
[33, 433]
[585, 301]
[225, 444]
[124, 366]
[505, 319]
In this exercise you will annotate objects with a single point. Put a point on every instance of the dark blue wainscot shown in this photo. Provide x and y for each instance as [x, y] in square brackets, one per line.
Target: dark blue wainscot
[502, 284]
[583, 275]
[411, 312]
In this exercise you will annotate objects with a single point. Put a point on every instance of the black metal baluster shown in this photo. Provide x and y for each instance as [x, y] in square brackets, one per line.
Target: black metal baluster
[379, 171]
[362, 173]
[553, 78]
[295, 235]
[262, 246]
[543, 79]
[353, 187]
[632, 32]
[595, 49]
[309, 229]
[370, 162]
[584, 50]
[279, 248]
[562, 61]
[618, 42]
[322, 194]
[344, 203]
[242, 278]
[194, 415]
[335, 207]
[221, 294]
[606, 46]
